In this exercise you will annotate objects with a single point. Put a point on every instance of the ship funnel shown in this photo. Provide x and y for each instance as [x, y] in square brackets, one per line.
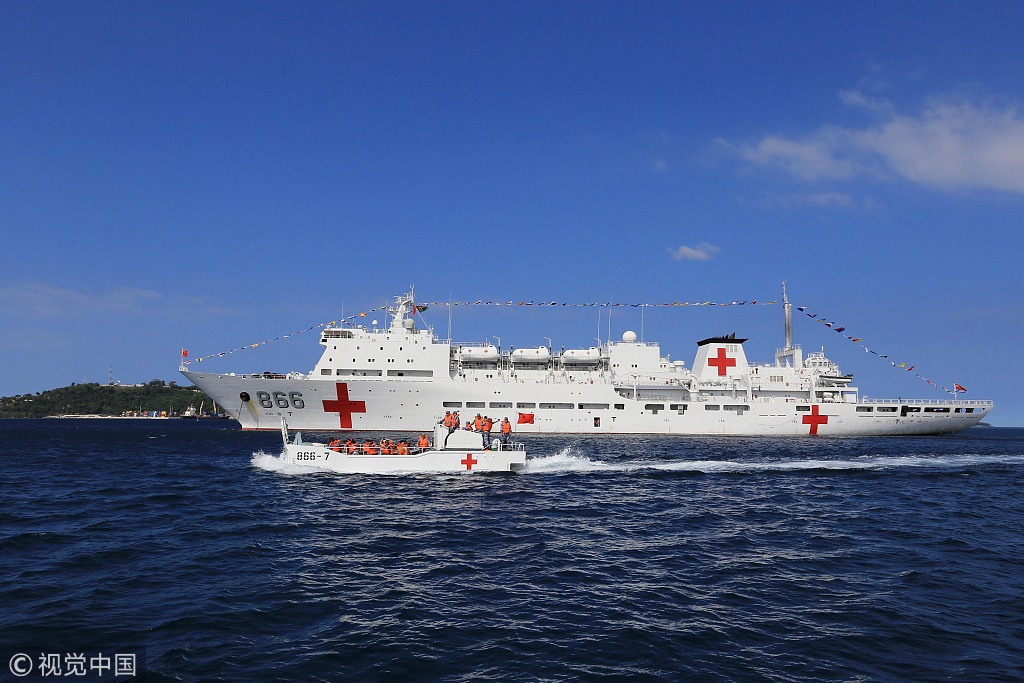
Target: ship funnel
[720, 358]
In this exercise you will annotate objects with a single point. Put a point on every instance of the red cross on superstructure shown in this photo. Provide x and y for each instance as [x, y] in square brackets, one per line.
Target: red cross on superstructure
[469, 461]
[814, 419]
[722, 362]
[343, 406]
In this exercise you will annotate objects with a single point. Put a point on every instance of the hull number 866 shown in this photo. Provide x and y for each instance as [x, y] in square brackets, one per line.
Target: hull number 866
[280, 399]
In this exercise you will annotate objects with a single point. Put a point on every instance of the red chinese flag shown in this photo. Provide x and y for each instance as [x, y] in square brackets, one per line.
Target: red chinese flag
[957, 387]
[184, 353]
[526, 418]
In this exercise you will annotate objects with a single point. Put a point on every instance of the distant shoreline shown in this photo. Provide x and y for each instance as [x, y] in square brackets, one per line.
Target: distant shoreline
[110, 417]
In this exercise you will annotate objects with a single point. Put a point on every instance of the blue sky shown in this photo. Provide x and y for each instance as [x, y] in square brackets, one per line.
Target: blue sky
[210, 175]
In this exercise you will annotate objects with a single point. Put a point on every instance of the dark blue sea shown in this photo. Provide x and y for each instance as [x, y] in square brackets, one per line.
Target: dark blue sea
[188, 545]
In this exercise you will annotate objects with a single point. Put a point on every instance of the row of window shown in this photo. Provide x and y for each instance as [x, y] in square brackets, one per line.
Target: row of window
[680, 407]
[523, 405]
[910, 409]
[652, 407]
[348, 372]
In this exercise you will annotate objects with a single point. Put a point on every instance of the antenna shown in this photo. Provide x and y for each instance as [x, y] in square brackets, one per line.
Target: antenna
[449, 317]
[788, 308]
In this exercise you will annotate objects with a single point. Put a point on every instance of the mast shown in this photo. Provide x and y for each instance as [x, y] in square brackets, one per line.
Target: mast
[789, 354]
[788, 308]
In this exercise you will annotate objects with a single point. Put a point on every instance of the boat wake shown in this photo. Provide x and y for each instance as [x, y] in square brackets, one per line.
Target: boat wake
[570, 460]
[271, 462]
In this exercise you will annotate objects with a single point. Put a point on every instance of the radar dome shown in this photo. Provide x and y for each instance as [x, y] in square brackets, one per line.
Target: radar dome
[629, 336]
[409, 324]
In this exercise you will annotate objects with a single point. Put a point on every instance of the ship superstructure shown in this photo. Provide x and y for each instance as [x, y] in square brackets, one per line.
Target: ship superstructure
[402, 376]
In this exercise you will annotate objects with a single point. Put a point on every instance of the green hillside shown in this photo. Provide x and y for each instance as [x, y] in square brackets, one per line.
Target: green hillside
[97, 399]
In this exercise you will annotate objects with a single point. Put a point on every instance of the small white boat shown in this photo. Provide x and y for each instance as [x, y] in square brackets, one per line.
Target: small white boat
[458, 451]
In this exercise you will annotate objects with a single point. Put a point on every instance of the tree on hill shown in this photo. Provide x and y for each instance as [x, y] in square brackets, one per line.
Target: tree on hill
[96, 399]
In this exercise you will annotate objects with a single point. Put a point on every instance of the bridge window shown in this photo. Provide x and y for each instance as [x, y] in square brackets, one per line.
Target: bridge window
[475, 404]
[501, 404]
[555, 405]
[593, 406]
[712, 406]
[452, 404]
[526, 405]
[864, 409]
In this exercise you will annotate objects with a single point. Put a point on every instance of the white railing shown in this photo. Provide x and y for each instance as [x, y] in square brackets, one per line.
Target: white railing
[926, 401]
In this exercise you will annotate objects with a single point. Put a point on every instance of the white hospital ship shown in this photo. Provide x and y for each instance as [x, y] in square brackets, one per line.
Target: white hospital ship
[400, 377]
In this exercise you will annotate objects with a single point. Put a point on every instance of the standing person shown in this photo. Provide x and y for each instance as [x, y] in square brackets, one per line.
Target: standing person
[506, 430]
[488, 425]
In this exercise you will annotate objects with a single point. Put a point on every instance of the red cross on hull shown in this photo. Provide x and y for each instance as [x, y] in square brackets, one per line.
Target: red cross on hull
[343, 406]
[722, 362]
[469, 461]
[814, 419]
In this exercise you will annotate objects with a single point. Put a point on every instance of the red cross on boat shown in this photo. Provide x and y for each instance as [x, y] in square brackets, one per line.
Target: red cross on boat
[469, 461]
[814, 419]
[722, 362]
[343, 406]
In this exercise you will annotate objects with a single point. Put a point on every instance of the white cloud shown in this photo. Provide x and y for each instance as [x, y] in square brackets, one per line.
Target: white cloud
[41, 300]
[702, 252]
[814, 199]
[949, 145]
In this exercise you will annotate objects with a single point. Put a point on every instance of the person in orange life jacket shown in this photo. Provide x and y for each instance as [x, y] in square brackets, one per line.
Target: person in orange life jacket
[335, 445]
[469, 426]
[478, 423]
[506, 430]
[488, 425]
[403, 448]
[370, 447]
[351, 447]
[447, 419]
[424, 441]
[455, 422]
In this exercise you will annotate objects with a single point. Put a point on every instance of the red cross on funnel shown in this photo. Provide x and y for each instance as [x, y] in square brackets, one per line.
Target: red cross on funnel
[343, 406]
[722, 362]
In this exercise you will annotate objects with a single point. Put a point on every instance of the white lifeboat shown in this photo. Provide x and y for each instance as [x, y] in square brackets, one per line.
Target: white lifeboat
[540, 354]
[581, 356]
[485, 353]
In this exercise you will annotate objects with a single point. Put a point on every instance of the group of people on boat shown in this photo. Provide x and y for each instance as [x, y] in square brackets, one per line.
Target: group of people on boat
[385, 447]
[481, 424]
